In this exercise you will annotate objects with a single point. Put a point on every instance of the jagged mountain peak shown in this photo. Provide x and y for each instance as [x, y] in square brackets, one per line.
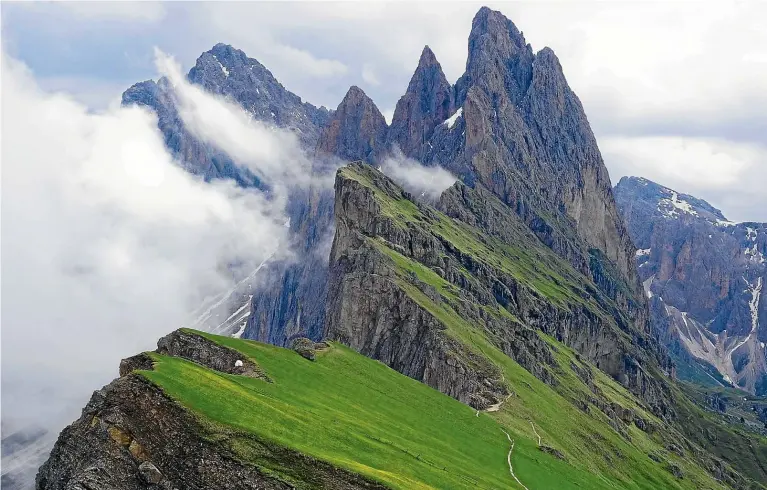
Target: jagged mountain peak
[427, 102]
[229, 72]
[494, 23]
[357, 130]
[493, 33]
[355, 95]
[498, 52]
[428, 58]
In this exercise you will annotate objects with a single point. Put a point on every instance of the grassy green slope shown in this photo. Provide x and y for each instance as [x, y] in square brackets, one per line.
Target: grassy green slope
[587, 440]
[527, 259]
[360, 415]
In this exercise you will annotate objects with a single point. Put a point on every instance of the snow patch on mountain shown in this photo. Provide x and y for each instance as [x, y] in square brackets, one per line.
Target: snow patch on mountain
[450, 121]
[223, 68]
[671, 207]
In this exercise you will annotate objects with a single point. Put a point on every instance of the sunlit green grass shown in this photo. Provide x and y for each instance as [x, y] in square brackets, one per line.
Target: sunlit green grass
[358, 414]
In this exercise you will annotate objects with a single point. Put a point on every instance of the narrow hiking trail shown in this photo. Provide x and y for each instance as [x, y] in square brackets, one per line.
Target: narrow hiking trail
[496, 407]
[536, 433]
[508, 459]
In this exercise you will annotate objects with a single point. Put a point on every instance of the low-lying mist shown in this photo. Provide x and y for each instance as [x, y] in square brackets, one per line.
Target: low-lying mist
[108, 244]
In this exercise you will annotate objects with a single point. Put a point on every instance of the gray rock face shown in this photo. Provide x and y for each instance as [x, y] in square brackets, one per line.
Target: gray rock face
[198, 349]
[292, 297]
[523, 134]
[228, 72]
[427, 102]
[370, 310]
[131, 436]
[290, 301]
[357, 130]
[706, 278]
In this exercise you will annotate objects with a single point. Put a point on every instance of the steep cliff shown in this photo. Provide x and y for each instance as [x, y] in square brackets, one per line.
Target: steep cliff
[705, 277]
[509, 285]
[523, 134]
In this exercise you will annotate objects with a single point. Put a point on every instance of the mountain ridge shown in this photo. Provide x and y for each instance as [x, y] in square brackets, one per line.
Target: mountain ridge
[705, 276]
[247, 413]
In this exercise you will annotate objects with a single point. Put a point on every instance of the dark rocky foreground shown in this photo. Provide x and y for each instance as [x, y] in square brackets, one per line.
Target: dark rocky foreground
[132, 436]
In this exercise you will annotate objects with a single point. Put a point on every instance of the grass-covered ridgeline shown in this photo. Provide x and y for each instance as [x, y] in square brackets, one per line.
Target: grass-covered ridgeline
[360, 415]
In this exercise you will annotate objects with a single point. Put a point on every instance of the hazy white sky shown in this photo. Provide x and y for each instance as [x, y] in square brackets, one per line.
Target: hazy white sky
[674, 90]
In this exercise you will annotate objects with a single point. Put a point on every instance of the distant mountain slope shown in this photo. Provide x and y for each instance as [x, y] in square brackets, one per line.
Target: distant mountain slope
[707, 282]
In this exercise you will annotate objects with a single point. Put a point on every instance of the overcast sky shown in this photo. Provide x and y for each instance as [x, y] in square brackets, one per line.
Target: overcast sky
[675, 93]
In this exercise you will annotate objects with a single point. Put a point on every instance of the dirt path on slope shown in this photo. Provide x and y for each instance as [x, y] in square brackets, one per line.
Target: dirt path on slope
[536, 433]
[508, 459]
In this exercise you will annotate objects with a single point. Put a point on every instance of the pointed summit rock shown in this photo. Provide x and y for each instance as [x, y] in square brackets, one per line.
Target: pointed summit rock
[357, 130]
[498, 56]
[523, 134]
[427, 102]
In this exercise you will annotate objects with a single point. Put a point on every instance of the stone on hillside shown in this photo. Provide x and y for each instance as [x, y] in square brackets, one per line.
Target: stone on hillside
[305, 347]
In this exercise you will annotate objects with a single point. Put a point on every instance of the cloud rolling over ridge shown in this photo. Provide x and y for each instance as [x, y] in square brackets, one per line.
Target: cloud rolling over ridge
[108, 244]
[428, 182]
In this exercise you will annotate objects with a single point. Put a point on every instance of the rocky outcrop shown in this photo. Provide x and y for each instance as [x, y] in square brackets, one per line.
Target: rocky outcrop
[195, 348]
[427, 103]
[705, 277]
[357, 130]
[131, 436]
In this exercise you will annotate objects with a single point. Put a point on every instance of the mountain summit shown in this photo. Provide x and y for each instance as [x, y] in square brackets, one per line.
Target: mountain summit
[427, 102]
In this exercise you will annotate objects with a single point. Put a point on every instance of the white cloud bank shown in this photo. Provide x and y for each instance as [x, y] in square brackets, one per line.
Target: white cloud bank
[107, 243]
[428, 182]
